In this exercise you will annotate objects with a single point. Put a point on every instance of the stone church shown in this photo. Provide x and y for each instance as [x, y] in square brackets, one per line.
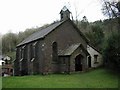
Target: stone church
[59, 48]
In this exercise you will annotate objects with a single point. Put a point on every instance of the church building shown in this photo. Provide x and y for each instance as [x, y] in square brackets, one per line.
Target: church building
[59, 48]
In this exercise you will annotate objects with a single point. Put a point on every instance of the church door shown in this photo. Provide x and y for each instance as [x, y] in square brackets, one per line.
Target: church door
[89, 61]
[78, 63]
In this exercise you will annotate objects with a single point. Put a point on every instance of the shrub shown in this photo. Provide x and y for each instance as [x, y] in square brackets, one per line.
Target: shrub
[111, 52]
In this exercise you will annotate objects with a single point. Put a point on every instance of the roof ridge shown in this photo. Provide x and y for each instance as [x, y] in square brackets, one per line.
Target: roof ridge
[40, 33]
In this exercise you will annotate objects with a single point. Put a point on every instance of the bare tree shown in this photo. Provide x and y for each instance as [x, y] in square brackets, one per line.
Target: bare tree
[110, 8]
[76, 13]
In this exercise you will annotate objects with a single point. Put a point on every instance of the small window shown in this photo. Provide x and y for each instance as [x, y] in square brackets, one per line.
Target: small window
[34, 51]
[11, 70]
[34, 47]
[32, 59]
[22, 52]
[35, 43]
[63, 61]
[21, 59]
[23, 47]
[95, 58]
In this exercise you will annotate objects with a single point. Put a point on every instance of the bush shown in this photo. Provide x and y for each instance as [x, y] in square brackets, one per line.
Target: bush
[111, 52]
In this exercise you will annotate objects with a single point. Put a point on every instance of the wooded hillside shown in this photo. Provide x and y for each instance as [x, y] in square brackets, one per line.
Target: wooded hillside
[94, 31]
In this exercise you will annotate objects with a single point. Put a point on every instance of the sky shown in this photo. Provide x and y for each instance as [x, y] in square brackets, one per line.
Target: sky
[18, 15]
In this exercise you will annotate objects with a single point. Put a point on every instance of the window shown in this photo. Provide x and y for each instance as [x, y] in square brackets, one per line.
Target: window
[32, 59]
[33, 51]
[95, 58]
[34, 44]
[63, 60]
[54, 51]
[21, 59]
[22, 53]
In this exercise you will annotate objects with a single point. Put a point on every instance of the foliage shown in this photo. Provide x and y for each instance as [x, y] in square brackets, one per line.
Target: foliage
[111, 8]
[96, 36]
[25, 34]
[111, 52]
[98, 78]
[10, 40]
[96, 32]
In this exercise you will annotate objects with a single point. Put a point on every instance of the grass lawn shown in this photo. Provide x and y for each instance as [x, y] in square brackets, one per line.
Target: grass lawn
[98, 78]
[0, 82]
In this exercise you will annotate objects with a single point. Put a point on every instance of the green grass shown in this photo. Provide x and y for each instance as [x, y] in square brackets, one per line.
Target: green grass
[0, 77]
[0, 82]
[98, 78]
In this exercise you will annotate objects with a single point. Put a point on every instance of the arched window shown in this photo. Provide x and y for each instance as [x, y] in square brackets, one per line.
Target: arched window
[55, 51]
[33, 51]
[23, 51]
[21, 54]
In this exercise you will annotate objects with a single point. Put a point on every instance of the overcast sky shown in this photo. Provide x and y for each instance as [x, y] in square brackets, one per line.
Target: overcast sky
[17, 15]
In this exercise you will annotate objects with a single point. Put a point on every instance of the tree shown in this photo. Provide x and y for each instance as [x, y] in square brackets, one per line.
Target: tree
[111, 8]
[111, 52]
[9, 42]
[96, 36]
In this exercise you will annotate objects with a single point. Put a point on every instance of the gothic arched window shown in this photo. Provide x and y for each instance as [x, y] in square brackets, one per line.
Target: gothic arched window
[55, 51]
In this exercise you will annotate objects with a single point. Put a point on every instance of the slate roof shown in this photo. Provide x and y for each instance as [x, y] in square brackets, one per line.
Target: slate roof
[41, 33]
[95, 48]
[69, 50]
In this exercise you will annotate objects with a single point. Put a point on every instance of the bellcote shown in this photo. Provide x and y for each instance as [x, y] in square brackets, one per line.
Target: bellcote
[64, 13]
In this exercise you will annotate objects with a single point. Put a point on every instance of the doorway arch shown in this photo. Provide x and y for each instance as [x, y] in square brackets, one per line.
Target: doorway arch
[78, 62]
[89, 61]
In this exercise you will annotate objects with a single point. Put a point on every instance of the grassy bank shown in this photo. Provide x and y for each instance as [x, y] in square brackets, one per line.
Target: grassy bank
[98, 78]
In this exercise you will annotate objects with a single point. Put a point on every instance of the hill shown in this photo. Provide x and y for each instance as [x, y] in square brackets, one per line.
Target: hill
[96, 32]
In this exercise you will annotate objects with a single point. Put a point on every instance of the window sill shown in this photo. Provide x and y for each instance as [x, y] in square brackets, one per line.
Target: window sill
[21, 60]
[32, 59]
[96, 62]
